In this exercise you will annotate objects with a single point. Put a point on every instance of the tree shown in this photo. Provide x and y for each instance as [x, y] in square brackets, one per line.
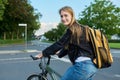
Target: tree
[2, 7]
[102, 15]
[50, 35]
[55, 33]
[19, 11]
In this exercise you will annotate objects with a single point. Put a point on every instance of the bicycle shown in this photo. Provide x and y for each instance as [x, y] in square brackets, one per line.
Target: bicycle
[47, 71]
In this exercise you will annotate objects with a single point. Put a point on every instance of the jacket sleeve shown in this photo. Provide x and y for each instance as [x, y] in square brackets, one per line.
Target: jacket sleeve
[52, 49]
[62, 52]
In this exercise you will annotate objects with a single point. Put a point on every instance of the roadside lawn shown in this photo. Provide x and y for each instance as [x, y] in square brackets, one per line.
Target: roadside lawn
[114, 45]
[21, 41]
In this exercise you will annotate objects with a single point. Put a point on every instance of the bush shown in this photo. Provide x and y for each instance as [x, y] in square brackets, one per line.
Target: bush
[114, 41]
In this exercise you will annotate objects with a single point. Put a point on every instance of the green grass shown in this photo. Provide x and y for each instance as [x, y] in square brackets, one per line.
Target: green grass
[114, 45]
[8, 42]
[21, 41]
[47, 41]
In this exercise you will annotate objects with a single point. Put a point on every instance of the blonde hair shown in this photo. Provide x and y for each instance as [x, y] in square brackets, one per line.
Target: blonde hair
[73, 26]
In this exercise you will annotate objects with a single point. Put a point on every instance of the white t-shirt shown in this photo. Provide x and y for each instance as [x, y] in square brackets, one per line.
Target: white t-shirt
[81, 58]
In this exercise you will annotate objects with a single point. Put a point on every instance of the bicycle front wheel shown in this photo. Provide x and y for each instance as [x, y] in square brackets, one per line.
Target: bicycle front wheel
[36, 77]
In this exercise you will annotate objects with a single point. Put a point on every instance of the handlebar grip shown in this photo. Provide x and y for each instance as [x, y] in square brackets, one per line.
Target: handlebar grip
[34, 58]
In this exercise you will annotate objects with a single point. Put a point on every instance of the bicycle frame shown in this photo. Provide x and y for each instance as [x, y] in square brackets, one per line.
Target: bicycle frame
[46, 69]
[52, 73]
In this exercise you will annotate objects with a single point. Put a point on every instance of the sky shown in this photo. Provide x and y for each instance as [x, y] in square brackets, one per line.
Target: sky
[49, 10]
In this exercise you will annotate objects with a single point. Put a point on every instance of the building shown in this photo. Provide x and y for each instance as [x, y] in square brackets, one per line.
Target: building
[115, 37]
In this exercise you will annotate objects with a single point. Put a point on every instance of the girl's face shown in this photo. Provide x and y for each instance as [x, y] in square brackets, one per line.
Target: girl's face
[65, 18]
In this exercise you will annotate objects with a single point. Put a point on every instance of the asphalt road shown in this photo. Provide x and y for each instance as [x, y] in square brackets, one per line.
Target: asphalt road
[15, 63]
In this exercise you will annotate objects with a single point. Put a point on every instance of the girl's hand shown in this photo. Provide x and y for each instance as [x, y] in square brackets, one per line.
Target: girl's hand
[40, 55]
[57, 52]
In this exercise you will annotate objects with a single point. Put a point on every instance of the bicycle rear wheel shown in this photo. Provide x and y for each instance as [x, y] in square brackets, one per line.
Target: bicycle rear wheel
[36, 77]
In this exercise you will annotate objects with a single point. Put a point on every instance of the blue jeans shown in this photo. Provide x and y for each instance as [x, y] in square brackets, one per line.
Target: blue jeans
[83, 70]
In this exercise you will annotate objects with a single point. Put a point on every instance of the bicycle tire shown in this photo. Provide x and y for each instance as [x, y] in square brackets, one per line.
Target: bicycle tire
[36, 77]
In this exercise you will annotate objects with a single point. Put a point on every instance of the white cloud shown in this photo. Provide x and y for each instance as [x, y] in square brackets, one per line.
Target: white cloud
[45, 27]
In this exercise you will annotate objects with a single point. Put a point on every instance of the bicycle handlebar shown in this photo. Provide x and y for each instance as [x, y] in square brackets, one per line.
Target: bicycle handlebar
[35, 58]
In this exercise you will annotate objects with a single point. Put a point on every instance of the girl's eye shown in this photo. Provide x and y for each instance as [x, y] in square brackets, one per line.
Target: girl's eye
[61, 16]
[65, 15]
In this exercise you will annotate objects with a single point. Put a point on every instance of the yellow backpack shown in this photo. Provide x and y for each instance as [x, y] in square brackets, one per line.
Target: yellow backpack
[103, 56]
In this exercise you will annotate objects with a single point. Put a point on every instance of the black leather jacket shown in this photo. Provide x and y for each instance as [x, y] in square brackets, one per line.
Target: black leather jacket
[73, 51]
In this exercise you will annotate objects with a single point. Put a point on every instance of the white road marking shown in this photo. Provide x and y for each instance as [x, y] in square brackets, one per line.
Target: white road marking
[8, 59]
[23, 58]
[16, 60]
[7, 52]
[17, 51]
[62, 59]
[117, 75]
